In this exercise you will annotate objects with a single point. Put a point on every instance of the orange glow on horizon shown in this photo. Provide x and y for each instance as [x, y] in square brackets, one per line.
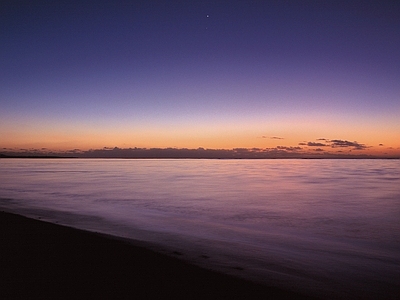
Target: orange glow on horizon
[294, 132]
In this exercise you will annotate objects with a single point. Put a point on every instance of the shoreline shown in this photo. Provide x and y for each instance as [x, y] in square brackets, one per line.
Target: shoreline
[45, 260]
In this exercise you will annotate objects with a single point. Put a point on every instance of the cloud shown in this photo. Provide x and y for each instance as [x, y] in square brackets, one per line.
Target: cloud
[318, 150]
[288, 148]
[344, 143]
[380, 144]
[73, 151]
[322, 139]
[313, 144]
[273, 137]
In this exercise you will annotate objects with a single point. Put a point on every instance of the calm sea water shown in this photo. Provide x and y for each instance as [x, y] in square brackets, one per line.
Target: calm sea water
[330, 228]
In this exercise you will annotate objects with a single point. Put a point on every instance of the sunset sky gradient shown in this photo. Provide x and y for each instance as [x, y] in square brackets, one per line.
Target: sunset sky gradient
[214, 74]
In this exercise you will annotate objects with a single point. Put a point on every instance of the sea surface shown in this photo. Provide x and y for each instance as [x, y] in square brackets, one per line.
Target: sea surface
[325, 227]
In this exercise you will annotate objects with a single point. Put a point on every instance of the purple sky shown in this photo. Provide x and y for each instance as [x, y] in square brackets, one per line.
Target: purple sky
[213, 74]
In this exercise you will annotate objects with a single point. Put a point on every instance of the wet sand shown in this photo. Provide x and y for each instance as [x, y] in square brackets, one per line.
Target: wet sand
[48, 261]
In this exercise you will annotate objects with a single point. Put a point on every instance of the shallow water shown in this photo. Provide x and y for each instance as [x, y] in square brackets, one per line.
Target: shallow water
[324, 227]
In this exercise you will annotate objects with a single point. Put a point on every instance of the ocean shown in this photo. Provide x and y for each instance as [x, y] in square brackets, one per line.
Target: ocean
[325, 227]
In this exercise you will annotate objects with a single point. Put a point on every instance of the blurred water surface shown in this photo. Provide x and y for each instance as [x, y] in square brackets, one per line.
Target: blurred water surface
[327, 227]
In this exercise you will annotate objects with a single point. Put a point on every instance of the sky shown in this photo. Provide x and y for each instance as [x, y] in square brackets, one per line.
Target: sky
[306, 77]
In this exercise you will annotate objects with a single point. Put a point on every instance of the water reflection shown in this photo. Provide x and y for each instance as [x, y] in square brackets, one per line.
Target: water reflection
[317, 222]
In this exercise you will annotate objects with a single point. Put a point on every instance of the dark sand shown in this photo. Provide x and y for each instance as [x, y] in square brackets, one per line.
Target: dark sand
[48, 261]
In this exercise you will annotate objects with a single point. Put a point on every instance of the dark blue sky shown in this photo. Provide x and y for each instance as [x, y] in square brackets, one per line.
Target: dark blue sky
[205, 73]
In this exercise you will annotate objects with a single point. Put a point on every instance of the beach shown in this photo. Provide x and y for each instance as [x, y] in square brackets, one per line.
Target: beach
[48, 261]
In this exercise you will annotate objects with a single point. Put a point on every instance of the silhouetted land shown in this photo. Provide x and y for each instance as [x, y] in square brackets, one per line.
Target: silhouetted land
[31, 156]
[209, 154]
[49, 261]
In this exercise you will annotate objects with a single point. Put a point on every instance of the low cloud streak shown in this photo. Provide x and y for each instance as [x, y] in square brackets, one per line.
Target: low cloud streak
[344, 143]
